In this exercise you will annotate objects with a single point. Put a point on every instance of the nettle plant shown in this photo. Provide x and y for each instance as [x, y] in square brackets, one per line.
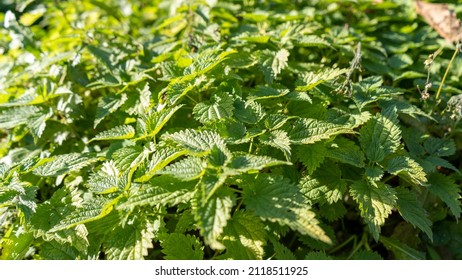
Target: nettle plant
[224, 130]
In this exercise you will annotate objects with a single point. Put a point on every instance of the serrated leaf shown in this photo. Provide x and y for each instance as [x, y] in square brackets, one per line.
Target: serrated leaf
[275, 199]
[333, 212]
[190, 168]
[281, 252]
[160, 158]
[440, 147]
[20, 194]
[407, 168]
[16, 116]
[130, 241]
[280, 61]
[308, 131]
[177, 246]
[447, 190]
[51, 212]
[243, 163]
[412, 211]
[116, 133]
[128, 159]
[311, 155]
[244, 237]
[324, 186]
[106, 180]
[196, 141]
[150, 125]
[376, 201]
[380, 136]
[108, 105]
[345, 151]
[277, 139]
[219, 107]
[16, 244]
[374, 173]
[248, 112]
[312, 79]
[56, 251]
[162, 190]
[366, 255]
[63, 164]
[313, 256]
[204, 63]
[91, 210]
[212, 215]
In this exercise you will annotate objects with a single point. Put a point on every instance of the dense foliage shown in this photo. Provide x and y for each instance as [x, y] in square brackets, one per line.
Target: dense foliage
[227, 130]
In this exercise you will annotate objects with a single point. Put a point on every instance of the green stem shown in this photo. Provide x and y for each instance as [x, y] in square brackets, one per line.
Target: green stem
[447, 70]
[344, 243]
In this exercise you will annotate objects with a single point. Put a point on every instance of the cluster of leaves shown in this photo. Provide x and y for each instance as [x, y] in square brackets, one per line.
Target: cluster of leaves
[225, 130]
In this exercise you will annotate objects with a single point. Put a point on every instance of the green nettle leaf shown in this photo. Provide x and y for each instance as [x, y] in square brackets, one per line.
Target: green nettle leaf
[212, 214]
[313, 79]
[16, 245]
[162, 190]
[244, 237]
[90, 210]
[64, 164]
[412, 210]
[11, 118]
[376, 201]
[308, 131]
[108, 105]
[116, 133]
[204, 63]
[280, 61]
[380, 136]
[160, 158]
[56, 251]
[248, 112]
[440, 147]
[128, 159]
[445, 188]
[190, 168]
[281, 252]
[150, 125]
[226, 130]
[277, 200]
[196, 141]
[19, 194]
[345, 151]
[374, 173]
[51, 213]
[311, 155]
[106, 180]
[219, 107]
[130, 241]
[366, 255]
[243, 163]
[320, 256]
[407, 168]
[264, 92]
[277, 139]
[177, 246]
[324, 185]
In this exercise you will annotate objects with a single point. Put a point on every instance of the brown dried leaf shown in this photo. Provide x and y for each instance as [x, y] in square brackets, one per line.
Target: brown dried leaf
[442, 19]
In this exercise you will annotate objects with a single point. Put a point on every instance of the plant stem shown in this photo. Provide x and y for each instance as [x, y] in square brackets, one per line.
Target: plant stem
[447, 71]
